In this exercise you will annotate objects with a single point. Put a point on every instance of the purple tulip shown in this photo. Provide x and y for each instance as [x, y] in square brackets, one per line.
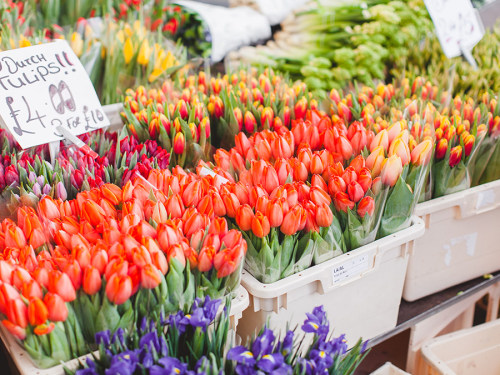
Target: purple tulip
[37, 190]
[61, 191]
[32, 177]
[40, 180]
[47, 189]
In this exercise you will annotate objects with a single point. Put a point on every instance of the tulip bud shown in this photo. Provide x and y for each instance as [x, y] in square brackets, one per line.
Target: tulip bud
[244, 217]
[366, 206]
[441, 148]
[260, 225]
[455, 156]
[179, 143]
[250, 122]
[391, 170]
[421, 154]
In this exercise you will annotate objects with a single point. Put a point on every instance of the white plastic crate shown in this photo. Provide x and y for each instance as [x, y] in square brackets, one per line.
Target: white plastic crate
[25, 366]
[360, 290]
[461, 241]
[389, 369]
[471, 351]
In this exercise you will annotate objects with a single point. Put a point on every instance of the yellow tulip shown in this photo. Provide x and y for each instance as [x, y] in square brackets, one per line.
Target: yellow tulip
[24, 42]
[76, 43]
[144, 52]
[128, 50]
[128, 30]
[120, 36]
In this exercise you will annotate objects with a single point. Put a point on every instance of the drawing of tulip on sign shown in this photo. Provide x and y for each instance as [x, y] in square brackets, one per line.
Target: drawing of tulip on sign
[61, 97]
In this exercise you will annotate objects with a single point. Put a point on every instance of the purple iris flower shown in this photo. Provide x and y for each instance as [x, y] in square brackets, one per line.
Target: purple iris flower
[287, 345]
[177, 321]
[241, 355]
[263, 344]
[317, 323]
[365, 345]
[321, 359]
[146, 358]
[119, 336]
[103, 337]
[171, 366]
[210, 308]
[150, 340]
[198, 319]
[274, 364]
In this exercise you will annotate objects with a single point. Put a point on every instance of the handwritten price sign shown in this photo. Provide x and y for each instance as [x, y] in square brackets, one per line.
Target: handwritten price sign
[457, 25]
[43, 87]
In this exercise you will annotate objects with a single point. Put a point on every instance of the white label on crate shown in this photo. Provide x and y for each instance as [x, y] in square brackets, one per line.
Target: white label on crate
[468, 240]
[485, 199]
[351, 267]
[457, 25]
[43, 87]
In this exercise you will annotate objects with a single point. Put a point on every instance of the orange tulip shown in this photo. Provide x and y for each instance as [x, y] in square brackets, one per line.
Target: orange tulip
[99, 260]
[150, 277]
[17, 312]
[14, 329]
[375, 160]
[91, 280]
[37, 312]
[119, 289]
[400, 147]
[231, 203]
[14, 237]
[61, 284]
[349, 175]
[455, 156]
[92, 212]
[260, 225]
[291, 221]
[57, 309]
[342, 202]
[323, 215]
[74, 272]
[380, 140]
[48, 208]
[167, 235]
[44, 329]
[244, 217]
[159, 260]
[336, 184]
[228, 260]
[32, 289]
[112, 193]
[274, 212]
[177, 252]
[218, 226]
[391, 170]
[206, 258]
[6, 270]
[421, 154]
[355, 191]
[343, 147]
[20, 276]
[300, 108]
[366, 206]
[365, 179]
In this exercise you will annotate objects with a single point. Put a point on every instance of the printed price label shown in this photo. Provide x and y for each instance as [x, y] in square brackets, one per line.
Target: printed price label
[351, 267]
[43, 87]
[457, 24]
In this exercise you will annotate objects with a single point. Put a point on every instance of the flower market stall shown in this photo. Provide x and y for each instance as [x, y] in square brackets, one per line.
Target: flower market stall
[249, 187]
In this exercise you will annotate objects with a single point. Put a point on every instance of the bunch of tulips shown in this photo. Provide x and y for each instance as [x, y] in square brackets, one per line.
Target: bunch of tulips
[30, 176]
[179, 124]
[110, 257]
[185, 344]
[465, 129]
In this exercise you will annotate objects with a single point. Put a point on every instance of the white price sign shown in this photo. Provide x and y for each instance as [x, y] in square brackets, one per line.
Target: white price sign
[351, 268]
[43, 87]
[457, 24]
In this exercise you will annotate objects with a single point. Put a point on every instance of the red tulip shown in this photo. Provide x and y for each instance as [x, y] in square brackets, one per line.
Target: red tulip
[177, 252]
[14, 329]
[14, 237]
[336, 184]
[365, 179]
[231, 204]
[244, 217]
[291, 221]
[48, 208]
[349, 175]
[32, 289]
[74, 272]
[275, 213]
[228, 260]
[319, 196]
[206, 258]
[250, 122]
[174, 207]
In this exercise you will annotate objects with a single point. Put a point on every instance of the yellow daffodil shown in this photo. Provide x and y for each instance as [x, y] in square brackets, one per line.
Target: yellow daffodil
[24, 42]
